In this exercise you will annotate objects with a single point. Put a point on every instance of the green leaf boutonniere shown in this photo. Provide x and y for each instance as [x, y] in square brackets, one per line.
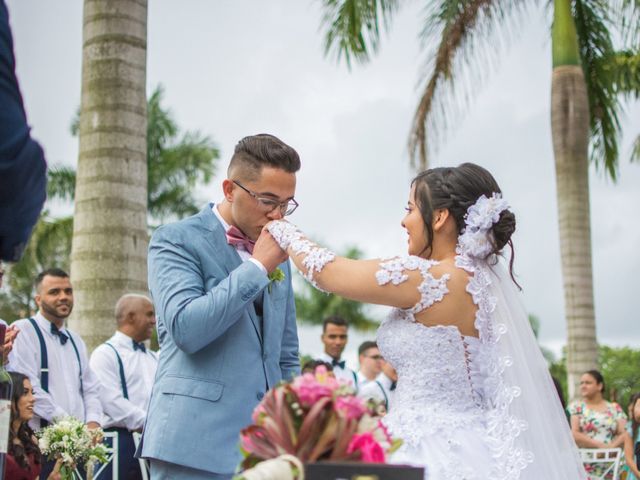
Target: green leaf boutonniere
[276, 276]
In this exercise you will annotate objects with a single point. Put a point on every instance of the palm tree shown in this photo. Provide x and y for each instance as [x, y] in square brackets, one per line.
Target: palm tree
[108, 253]
[176, 163]
[313, 306]
[584, 107]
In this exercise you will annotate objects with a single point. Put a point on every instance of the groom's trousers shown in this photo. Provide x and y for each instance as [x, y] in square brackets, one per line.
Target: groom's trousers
[170, 471]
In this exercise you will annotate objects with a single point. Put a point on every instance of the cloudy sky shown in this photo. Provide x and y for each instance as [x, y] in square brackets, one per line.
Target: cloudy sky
[236, 67]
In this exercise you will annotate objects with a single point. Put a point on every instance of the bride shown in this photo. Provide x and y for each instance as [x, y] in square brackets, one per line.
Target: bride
[474, 399]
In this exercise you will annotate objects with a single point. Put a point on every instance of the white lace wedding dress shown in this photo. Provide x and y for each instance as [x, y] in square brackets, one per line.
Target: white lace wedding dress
[454, 403]
[466, 408]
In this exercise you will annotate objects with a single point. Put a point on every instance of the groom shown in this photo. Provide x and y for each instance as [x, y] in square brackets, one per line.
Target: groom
[227, 332]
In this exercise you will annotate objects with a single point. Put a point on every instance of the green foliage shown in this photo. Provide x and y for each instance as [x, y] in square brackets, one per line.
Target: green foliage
[176, 163]
[619, 366]
[49, 245]
[353, 27]
[313, 306]
[593, 22]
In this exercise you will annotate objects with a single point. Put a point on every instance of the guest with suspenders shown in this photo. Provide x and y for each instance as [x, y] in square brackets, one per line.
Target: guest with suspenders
[371, 363]
[126, 369]
[55, 359]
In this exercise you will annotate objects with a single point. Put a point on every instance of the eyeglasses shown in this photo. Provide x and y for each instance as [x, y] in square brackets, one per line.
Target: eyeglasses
[269, 204]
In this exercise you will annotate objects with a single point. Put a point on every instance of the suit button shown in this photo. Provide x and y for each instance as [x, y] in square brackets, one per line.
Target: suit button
[260, 395]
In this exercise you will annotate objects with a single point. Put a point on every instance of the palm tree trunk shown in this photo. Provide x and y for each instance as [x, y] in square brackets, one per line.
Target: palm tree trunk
[570, 133]
[110, 239]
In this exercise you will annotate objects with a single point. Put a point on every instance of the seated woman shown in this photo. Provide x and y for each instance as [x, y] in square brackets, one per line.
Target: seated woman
[23, 457]
[632, 440]
[595, 422]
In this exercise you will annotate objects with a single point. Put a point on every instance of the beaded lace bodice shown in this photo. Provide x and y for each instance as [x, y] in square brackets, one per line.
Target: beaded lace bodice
[439, 377]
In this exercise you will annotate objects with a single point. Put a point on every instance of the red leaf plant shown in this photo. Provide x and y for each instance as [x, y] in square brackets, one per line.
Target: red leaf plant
[316, 417]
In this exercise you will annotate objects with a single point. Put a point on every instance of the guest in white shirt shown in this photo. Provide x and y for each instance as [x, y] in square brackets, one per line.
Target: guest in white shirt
[68, 387]
[334, 338]
[369, 385]
[126, 369]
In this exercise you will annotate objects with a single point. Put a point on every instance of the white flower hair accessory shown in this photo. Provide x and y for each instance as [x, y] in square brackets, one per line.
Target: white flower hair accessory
[476, 240]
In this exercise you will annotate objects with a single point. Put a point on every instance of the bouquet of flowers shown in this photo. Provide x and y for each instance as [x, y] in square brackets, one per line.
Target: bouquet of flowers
[69, 440]
[315, 417]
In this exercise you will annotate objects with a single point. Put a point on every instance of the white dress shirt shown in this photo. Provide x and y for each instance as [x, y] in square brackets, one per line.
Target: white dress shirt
[377, 389]
[139, 371]
[341, 373]
[244, 255]
[65, 396]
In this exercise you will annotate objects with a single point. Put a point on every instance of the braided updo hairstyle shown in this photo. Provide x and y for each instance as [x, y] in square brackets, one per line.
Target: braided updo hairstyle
[456, 189]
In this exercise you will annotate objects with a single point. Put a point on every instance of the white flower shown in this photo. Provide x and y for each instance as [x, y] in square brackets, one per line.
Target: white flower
[486, 211]
[476, 240]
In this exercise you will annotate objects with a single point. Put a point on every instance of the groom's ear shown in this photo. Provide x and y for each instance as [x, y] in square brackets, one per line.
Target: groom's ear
[227, 190]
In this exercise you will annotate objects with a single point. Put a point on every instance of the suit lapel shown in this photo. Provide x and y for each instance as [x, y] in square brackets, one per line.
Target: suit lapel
[230, 260]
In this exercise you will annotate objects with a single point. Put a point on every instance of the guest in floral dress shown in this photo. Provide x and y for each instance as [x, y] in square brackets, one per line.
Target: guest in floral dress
[595, 422]
[632, 441]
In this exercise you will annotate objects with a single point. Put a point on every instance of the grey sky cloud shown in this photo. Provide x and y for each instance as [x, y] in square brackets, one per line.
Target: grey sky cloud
[233, 68]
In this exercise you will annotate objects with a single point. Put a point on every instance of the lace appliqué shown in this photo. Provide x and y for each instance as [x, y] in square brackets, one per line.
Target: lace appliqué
[431, 289]
[474, 249]
[315, 257]
[503, 428]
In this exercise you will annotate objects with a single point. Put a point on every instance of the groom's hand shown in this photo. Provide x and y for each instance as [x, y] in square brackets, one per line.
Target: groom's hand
[268, 252]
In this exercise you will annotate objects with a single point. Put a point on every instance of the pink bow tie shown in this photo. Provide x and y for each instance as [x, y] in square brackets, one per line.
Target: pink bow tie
[236, 238]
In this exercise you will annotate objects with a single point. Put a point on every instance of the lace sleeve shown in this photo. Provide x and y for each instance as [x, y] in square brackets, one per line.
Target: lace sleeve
[431, 289]
[315, 257]
[396, 282]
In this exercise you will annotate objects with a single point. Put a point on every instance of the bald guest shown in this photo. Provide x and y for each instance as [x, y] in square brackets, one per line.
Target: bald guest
[126, 368]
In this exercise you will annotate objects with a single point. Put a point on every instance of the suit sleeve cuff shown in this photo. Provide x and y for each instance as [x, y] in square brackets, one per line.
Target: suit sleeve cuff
[259, 265]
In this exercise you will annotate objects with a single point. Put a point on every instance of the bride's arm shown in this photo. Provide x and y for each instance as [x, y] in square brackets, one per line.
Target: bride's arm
[396, 282]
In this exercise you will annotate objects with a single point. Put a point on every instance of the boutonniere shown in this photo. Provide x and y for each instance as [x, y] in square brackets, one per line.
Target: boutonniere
[276, 276]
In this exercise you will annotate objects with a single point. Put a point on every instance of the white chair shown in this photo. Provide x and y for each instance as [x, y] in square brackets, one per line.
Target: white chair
[608, 459]
[112, 458]
[144, 465]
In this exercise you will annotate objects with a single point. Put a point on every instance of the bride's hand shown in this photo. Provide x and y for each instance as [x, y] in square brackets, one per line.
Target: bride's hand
[268, 252]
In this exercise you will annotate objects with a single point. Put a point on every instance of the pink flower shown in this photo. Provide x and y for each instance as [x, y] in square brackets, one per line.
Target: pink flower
[349, 407]
[310, 388]
[258, 412]
[370, 450]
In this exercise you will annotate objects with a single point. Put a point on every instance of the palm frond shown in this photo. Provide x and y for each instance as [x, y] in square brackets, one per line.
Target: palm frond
[353, 27]
[625, 67]
[460, 29]
[635, 150]
[61, 183]
[74, 127]
[628, 12]
[593, 21]
[313, 306]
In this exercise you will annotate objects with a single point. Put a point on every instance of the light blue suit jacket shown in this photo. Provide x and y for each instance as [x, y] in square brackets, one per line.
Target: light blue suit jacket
[217, 359]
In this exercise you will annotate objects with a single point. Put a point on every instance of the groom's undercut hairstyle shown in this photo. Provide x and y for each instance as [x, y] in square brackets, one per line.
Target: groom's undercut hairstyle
[263, 150]
[51, 272]
[334, 320]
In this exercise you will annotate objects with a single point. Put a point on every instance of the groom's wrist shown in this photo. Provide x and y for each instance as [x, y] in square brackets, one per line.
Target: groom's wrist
[259, 264]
